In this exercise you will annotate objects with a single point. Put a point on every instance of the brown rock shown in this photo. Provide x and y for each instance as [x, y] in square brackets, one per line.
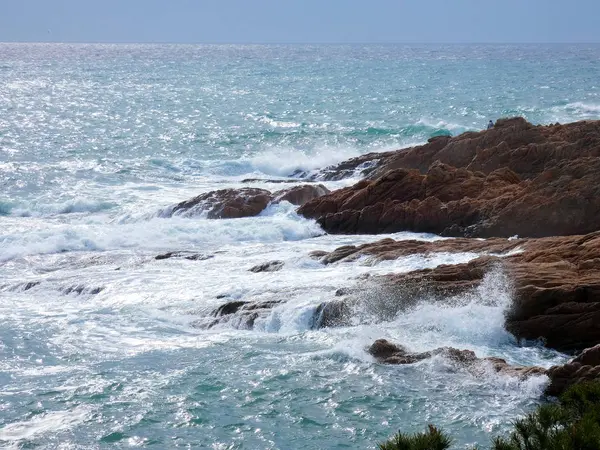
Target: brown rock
[224, 204]
[554, 282]
[515, 179]
[585, 367]
[388, 353]
[382, 349]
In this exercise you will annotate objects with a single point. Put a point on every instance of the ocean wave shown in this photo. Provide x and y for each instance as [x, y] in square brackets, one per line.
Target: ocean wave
[39, 208]
[584, 108]
[435, 127]
[277, 223]
[284, 162]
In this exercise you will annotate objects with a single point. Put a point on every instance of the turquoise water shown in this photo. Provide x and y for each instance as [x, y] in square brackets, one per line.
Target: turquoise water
[96, 139]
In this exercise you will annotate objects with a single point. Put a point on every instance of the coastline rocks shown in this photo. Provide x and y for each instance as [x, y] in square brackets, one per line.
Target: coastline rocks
[243, 202]
[515, 179]
[386, 352]
[360, 166]
[585, 367]
[564, 200]
[554, 282]
[525, 149]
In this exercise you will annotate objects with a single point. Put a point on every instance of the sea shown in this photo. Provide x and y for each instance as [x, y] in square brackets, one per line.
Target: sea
[101, 345]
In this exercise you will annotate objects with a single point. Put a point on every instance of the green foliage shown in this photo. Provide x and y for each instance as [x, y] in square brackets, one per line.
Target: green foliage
[433, 439]
[573, 423]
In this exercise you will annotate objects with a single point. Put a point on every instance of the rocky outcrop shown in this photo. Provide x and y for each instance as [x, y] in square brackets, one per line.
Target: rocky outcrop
[359, 167]
[554, 282]
[516, 179]
[390, 249]
[386, 352]
[585, 367]
[525, 149]
[243, 202]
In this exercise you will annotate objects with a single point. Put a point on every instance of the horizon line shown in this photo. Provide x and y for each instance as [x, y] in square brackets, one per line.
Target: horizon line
[306, 43]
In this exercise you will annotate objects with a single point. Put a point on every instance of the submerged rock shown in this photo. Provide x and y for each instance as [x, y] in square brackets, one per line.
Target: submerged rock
[239, 314]
[191, 256]
[272, 266]
[515, 179]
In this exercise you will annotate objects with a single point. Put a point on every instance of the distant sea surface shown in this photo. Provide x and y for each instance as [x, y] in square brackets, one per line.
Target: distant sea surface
[100, 344]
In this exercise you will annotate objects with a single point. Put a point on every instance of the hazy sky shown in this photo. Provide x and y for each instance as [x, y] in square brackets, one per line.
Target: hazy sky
[240, 21]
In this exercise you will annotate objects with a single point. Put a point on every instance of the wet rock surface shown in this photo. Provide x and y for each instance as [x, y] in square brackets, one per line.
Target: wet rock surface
[225, 204]
[191, 256]
[242, 202]
[583, 368]
[554, 282]
[271, 266]
[515, 179]
[386, 352]
[361, 166]
[239, 314]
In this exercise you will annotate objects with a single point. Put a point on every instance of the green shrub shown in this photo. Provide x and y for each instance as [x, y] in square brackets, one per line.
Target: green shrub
[433, 439]
[571, 424]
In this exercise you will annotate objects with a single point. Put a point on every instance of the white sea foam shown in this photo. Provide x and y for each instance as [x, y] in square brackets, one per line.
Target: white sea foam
[454, 128]
[48, 422]
[277, 223]
[584, 108]
[74, 205]
[284, 162]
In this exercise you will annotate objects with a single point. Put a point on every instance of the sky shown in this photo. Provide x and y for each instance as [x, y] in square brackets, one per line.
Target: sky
[300, 21]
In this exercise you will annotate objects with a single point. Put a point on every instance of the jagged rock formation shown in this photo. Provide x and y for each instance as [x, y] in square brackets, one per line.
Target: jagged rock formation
[515, 179]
